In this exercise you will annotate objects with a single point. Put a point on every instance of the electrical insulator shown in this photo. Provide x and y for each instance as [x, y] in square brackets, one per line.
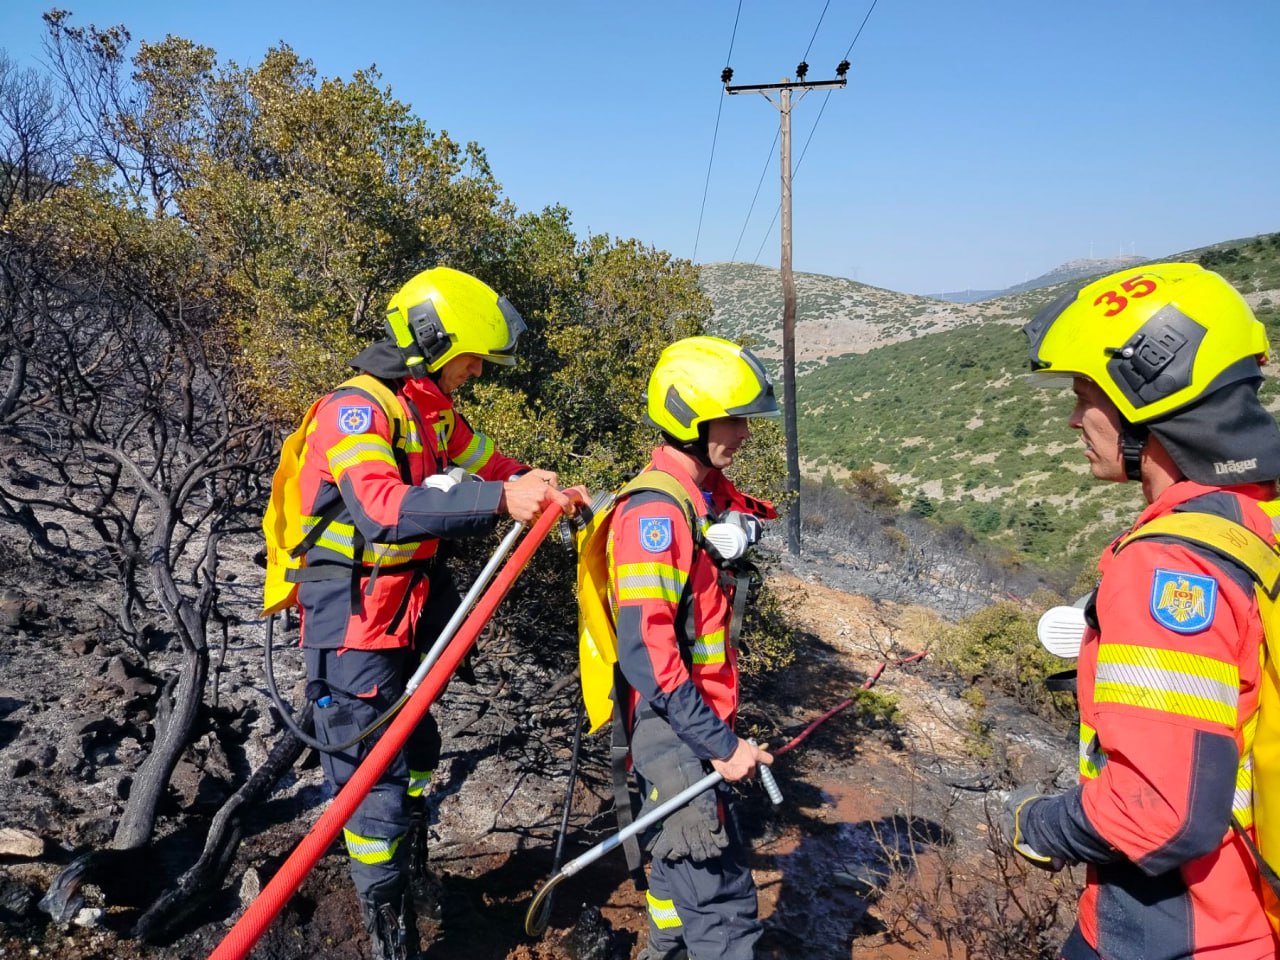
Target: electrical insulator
[842, 68]
[726, 75]
[801, 69]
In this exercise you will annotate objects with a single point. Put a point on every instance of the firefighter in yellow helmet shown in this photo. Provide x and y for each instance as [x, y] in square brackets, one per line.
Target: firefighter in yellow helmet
[673, 582]
[1164, 361]
[380, 485]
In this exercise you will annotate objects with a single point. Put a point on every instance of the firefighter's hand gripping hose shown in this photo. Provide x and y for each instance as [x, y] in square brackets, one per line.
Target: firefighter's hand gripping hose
[537, 917]
[255, 920]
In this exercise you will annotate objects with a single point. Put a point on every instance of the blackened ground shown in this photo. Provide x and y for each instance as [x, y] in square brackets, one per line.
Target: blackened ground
[76, 713]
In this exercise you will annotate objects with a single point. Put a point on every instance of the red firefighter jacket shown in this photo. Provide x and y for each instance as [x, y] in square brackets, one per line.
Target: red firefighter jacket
[1168, 677]
[386, 519]
[673, 612]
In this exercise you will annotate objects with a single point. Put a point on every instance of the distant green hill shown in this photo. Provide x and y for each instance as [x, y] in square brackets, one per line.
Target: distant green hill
[946, 415]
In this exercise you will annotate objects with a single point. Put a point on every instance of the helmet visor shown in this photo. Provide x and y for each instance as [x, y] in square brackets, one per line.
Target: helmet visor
[764, 403]
[1050, 380]
[506, 354]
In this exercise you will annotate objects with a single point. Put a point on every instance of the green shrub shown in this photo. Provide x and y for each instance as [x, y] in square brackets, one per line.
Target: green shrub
[923, 506]
[877, 711]
[998, 646]
[873, 488]
[977, 727]
[768, 638]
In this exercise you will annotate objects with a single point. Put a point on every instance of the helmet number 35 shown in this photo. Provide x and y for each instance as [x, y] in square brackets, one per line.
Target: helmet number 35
[1136, 287]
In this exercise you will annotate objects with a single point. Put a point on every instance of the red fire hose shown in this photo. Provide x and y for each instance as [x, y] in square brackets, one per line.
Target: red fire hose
[255, 920]
[844, 704]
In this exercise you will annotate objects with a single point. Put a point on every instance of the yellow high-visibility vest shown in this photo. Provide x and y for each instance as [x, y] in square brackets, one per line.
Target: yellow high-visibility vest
[282, 521]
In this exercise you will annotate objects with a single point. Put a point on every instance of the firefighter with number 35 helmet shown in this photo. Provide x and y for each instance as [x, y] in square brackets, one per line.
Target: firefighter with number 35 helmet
[1164, 361]
[673, 591]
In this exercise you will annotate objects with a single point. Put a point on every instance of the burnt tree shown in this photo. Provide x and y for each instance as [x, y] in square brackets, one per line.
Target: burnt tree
[129, 421]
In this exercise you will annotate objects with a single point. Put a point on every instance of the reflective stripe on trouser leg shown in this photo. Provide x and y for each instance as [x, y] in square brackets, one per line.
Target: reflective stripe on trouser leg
[715, 900]
[665, 937]
[422, 753]
[370, 850]
[419, 781]
[662, 913]
[374, 834]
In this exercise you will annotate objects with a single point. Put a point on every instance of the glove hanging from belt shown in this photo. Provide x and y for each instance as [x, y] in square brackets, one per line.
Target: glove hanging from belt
[692, 833]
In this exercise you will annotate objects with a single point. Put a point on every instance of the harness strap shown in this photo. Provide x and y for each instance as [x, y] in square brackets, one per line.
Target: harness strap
[741, 589]
[423, 569]
[326, 571]
[357, 570]
[1264, 868]
[325, 517]
[337, 570]
[619, 751]
[1221, 536]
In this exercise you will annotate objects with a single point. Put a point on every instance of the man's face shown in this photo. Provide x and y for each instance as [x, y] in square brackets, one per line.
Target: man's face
[724, 437]
[458, 371]
[1098, 421]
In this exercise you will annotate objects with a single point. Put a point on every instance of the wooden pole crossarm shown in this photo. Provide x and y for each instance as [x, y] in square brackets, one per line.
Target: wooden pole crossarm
[786, 85]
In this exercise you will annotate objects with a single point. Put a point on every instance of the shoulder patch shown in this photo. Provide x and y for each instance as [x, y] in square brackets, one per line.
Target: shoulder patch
[1183, 602]
[355, 419]
[655, 533]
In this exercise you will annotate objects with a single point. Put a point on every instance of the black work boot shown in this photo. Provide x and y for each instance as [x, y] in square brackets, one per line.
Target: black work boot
[424, 885]
[392, 927]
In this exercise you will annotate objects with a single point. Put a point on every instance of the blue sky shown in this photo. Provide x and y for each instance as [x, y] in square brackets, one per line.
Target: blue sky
[978, 144]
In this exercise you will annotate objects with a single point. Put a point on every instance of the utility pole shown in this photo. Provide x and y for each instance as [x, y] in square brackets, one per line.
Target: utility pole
[788, 279]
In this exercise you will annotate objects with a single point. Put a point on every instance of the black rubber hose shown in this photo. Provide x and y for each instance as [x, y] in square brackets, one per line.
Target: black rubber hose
[558, 857]
[292, 725]
[539, 914]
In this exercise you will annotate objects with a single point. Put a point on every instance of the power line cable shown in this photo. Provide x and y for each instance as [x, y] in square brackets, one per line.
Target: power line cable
[816, 120]
[767, 163]
[821, 109]
[769, 159]
[794, 171]
[859, 33]
[767, 234]
[815, 33]
[715, 134]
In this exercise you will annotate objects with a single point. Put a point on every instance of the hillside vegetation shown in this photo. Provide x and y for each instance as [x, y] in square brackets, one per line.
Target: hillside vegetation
[834, 316]
[931, 395]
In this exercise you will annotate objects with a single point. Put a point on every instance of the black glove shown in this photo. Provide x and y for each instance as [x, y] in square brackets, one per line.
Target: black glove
[690, 834]
[666, 767]
[1013, 817]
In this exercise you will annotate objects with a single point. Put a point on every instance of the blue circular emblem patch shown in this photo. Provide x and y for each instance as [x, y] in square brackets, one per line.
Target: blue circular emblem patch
[354, 419]
[655, 533]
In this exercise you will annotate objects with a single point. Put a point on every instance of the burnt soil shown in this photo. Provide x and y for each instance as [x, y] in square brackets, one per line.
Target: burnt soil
[76, 714]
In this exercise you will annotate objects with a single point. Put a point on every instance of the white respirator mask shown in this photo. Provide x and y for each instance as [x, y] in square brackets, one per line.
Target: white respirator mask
[1061, 629]
[729, 538]
[448, 480]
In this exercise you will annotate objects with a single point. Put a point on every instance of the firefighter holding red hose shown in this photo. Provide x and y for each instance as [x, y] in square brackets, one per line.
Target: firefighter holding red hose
[376, 495]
